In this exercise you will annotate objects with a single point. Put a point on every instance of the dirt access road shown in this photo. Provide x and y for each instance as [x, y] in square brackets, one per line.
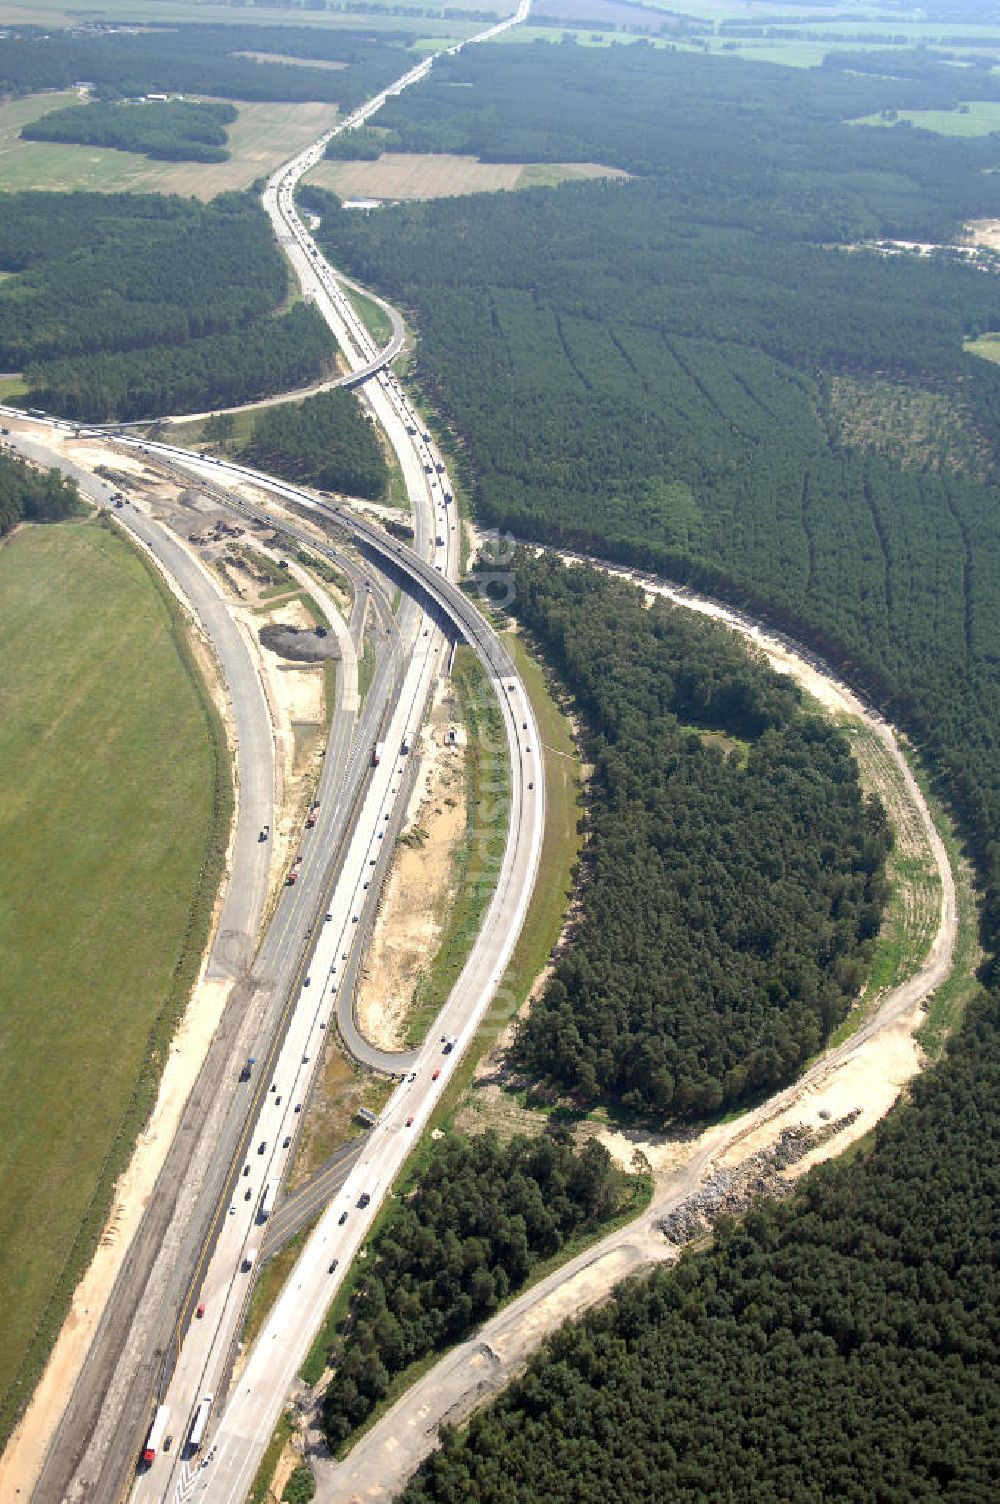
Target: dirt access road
[858, 1080]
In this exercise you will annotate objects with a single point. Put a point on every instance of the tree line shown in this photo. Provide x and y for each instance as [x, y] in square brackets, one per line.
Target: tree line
[479, 1217]
[26, 495]
[732, 882]
[200, 59]
[840, 1345]
[175, 130]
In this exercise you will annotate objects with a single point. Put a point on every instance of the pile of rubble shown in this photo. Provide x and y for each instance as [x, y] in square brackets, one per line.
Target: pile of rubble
[734, 1190]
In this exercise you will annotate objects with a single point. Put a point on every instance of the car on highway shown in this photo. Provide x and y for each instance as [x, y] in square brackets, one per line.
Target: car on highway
[264, 833]
[201, 1309]
[435, 1074]
[286, 1141]
[412, 1076]
[341, 1219]
[333, 1266]
[364, 1199]
[262, 1146]
[409, 1121]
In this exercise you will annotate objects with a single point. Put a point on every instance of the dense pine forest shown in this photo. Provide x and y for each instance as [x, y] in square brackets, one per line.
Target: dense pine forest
[27, 496]
[841, 1345]
[684, 371]
[175, 130]
[128, 306]
[666, 371]
[326, 441]
[731, 883]
[482, 1215]
[205, 60]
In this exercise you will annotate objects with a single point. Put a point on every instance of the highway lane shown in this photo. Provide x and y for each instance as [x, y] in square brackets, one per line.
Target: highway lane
[271, 1367]
[394, 407]
[157, 1279]
[298, 1208]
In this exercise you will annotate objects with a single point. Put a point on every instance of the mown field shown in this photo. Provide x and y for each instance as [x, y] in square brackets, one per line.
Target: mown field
[977, 117]
[264, 135]
[108, 819]
[413, 175]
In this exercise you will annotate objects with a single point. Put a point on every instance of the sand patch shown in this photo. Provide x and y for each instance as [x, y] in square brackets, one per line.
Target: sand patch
[421, 887]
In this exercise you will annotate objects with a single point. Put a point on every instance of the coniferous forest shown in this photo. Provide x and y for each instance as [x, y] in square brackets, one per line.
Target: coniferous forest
[697, 371]
[731, 882]
[481, 1217]
[326, 441]
[216, 60]
[130, 306]
[174, 130]
[27, 496]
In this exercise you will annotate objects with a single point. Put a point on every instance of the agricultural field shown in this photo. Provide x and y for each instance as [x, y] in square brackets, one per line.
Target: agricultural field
[978, 117]
[109, 819]
[264, 135]
[59, 13]
[420, 175]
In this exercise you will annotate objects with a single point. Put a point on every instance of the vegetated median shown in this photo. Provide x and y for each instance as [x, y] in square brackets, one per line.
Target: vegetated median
[114, 834]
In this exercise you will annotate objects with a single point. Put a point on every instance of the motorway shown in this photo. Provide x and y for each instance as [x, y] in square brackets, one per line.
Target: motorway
[198, 1242]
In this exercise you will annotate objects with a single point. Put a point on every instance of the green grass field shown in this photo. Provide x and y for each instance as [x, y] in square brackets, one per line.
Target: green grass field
[987, 347]
[983, 117]
[109, 821]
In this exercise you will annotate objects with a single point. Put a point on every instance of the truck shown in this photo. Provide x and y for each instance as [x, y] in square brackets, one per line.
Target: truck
[377, 752]
[293, 872]
[156, 1433]
[249, 1259]
[267, 1201]
[200, 1421]
[366, 1116]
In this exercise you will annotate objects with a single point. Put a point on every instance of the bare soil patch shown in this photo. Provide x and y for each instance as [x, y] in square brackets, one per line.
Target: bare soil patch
[419, 175]
[420, 887]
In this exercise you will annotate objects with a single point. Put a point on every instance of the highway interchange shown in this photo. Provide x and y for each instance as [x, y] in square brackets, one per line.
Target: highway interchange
[199, 1239]
[194, 1248]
